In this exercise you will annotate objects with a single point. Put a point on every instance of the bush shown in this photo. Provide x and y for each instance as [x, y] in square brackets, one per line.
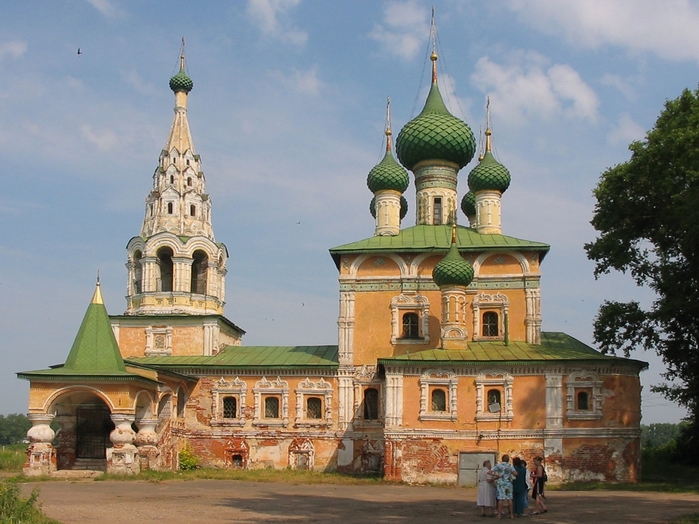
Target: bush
[15, 508]
[188, 460]
[12, 458]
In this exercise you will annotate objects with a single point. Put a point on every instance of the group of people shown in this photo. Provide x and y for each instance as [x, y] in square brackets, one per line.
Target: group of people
[508, 485]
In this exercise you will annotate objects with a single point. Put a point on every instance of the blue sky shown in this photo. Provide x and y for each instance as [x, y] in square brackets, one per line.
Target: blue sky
[287, 113]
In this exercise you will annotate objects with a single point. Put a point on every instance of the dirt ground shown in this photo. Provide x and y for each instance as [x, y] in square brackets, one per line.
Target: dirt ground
[212, 501]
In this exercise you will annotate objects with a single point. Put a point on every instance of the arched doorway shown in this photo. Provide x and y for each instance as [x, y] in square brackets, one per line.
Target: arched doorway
[84, 424]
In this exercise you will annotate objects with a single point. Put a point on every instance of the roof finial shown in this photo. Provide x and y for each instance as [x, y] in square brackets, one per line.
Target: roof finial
[433, 56]
[388, 124]
[182, 56]
[453, 230]
[97, 296]
[488, 132]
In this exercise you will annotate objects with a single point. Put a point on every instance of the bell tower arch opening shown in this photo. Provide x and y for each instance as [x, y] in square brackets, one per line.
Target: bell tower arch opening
[166, 269]
[200, 266]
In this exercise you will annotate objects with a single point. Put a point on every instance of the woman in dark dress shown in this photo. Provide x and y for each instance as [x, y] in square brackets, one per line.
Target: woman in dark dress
[539, 479]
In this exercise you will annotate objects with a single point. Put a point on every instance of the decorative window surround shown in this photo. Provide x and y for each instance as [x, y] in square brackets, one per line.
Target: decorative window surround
[590, 383]
[406, 303]
[483, 302]
[264, 388]
[365, 378]
[438, 378]
[489, 380]
[306, 389]
[301, 454]
[158, 341]
[223, 388]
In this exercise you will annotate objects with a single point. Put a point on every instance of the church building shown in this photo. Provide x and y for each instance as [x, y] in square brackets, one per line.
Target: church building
[440, 361]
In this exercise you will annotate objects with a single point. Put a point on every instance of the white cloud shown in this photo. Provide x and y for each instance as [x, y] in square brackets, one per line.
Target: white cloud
[403, 30]
[666, 28]
[133, 79]
[624, 86]
[267, 13]
[13, 49]
[104, 140]
[625, 131]
[528, 88]
[305, 82]
[105, 7]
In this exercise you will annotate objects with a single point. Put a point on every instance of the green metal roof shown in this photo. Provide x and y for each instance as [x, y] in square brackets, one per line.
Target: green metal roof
[554, 347]
[453, 270]
[489, 174]
[250, 357]
[435, 238]
[95, 353]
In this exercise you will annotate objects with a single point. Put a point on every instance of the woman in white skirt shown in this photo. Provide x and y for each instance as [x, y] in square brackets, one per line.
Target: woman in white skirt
[486, 490]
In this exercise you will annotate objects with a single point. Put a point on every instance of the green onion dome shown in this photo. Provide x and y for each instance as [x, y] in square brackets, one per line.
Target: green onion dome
[181, 83]
[453, 270]
[435, 134]
[403, 207]
[388, 174]
[468, 204]
[489, 174]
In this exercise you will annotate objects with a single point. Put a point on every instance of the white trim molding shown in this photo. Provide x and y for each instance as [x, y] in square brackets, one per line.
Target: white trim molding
[502, 381]
[306, 389]
[438, 379]
[279, 388]
[224, 388]
[590, 382]
[484, 302]
[410, 302]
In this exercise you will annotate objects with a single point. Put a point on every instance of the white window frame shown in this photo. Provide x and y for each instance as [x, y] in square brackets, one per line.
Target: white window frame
[587, 380]
[442, 379]
[482, 303]
[307, 389]
[490, 379]
[265, 388]
[151, 334]
[224, 388]
[410, 303]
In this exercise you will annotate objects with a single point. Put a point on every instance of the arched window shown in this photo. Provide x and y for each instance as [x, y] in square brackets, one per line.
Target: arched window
[583, 401]
[172, 179]
[314, 407]
[410, 326]
[181, 402]
[494, 401]
[170, 208]
[490, 324]
[200, 266]
[437, 217]
[193, 210]
[137, 272]
[189, 181]
[439, 400]
[271, 407]
[165, 266]
[230, 407]
[371, 404]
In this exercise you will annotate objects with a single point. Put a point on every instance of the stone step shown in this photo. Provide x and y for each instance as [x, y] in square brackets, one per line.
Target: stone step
[90, 464]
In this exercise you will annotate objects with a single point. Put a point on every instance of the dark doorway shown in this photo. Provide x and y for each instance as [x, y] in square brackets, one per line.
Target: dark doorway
[92, 432]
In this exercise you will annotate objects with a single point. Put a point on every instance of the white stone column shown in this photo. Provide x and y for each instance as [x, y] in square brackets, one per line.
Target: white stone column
[41, 455]
[435, 180]
[454, 331]
[533, 316]
[121, 458]
[394, 399]
[553, 443]
[345, 323]
[211, 332]
[147, 441]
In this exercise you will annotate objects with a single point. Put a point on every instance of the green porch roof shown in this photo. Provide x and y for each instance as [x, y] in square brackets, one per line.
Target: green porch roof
[250, 357]
[554, 347]
[95, 353]
[438, 239]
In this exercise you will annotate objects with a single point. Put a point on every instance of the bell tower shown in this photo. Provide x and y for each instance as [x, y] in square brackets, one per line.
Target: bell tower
[175, 265]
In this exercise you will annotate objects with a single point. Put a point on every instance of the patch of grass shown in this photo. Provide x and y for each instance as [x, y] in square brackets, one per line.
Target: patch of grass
[688, 519]
[288, 476]
[15, 508]
[12, 457]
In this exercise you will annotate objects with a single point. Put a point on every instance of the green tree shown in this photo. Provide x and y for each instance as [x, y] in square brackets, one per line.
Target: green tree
[647, 216]
[13, 428]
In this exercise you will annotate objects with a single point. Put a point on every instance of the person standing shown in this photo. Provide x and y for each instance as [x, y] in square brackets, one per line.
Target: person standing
[539, 478]
[486, 490]
[519, 487]
[504, 473]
